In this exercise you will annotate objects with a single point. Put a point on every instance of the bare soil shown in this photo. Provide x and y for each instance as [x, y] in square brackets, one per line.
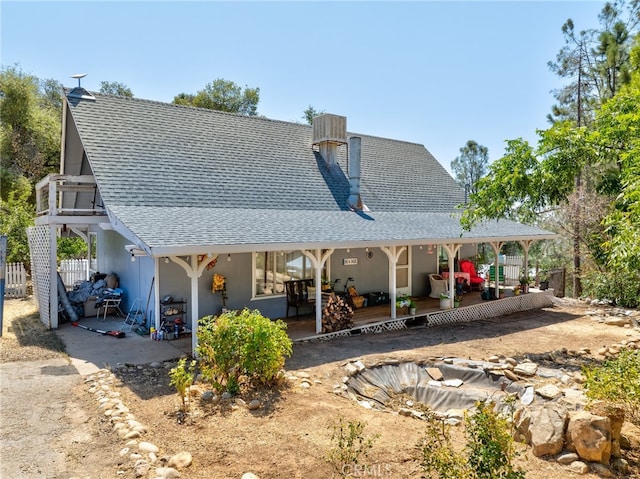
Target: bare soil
[289, 436]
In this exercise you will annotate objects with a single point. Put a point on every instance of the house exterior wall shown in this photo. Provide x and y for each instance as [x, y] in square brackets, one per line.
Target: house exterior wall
[423, 263]
[135, 277]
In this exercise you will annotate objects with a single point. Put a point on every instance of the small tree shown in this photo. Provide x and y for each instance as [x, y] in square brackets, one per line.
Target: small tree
[351, 446]
[182, 378]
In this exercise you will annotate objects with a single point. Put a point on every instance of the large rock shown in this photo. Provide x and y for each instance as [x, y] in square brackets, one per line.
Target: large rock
[542, 427]
[616, 416]
[589, 436]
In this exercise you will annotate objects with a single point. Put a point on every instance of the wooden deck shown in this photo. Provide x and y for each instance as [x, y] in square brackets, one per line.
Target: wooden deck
[304, 328]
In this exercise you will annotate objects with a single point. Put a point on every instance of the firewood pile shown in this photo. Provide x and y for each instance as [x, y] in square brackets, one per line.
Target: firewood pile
[336, 315]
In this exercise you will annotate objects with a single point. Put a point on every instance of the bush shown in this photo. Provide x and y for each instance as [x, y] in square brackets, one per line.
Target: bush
[351, 447]
[617, 382]
[438, 457]
[621, 288]
[241, 344]
[488, 453]
[490, 445]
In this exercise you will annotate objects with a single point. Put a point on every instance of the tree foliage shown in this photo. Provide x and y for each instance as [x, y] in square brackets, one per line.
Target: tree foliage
[31, 125]
[115, 88]
[471, 165]
[223, 95]
[310, 113]
[16, 214]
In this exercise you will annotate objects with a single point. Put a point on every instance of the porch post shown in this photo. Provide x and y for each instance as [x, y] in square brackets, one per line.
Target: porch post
[194, 302]
[318, 261]
[452, 249]
[393, 253]
[497, 245]
[526, 244]
[194, 271]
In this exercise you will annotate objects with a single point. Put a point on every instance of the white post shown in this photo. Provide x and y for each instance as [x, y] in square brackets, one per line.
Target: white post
[452, 250]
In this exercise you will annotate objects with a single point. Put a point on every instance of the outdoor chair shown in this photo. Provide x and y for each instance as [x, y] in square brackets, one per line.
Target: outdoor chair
[438, 285]
[474, 280]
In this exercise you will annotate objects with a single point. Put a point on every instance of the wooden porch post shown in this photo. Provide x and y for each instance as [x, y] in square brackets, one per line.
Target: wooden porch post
[393, 253]
[194, 271]
[497, 246]
[318, 261]
[526, 245]
[452, 249]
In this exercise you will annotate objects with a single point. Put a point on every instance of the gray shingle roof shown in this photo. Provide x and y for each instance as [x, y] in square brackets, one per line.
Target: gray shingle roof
[179, 177]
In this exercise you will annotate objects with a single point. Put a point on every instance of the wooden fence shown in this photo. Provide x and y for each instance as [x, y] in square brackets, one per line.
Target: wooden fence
[15, 283]
[73, 270]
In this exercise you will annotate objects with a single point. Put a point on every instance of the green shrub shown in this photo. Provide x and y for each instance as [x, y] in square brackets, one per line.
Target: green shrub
[438, 457]
[350, 448]
[490, 445]
[488, 453]
[621, 288]
[241, 344]
[182, 379]
[617, 382]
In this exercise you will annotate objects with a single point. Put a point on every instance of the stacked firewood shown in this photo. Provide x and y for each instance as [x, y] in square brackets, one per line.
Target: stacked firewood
[336, 315]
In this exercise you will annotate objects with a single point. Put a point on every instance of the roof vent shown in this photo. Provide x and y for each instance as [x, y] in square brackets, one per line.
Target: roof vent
[79, 92]
[329, 131]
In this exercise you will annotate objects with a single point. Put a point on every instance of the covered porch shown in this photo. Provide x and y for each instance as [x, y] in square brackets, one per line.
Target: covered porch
[378, 319]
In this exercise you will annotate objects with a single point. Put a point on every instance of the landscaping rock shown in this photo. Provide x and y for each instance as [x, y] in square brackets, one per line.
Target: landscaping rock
[180, 461]
[589, 436]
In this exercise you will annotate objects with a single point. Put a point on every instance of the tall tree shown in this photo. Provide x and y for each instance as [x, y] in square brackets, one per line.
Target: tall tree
[115, 88]
[223, 95]
[471, 165]
[31, 125]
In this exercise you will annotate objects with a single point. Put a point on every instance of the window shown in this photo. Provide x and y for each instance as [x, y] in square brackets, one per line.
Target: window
[403, 272]
[273, 268]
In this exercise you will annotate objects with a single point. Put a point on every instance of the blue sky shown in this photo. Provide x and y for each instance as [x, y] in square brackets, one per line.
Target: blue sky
[435, 73]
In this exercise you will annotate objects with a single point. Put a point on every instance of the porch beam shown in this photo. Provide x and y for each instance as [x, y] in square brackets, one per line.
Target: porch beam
[526, 245]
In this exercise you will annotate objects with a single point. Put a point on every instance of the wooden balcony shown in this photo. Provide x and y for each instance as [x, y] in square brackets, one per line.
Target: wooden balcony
[68, 196]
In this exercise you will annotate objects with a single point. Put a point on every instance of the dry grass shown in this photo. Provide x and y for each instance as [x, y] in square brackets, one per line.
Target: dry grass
[24, 337]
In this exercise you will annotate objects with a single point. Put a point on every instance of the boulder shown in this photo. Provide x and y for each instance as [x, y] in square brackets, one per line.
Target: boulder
[543, 427]
[589, 436]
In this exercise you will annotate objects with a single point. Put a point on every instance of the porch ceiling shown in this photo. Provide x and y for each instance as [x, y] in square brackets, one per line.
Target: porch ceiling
[189, 230]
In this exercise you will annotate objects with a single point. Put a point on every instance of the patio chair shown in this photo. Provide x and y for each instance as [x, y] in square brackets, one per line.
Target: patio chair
[438, 284]
[474, 279]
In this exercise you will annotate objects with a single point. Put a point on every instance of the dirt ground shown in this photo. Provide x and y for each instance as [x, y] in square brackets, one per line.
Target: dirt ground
[290, 434]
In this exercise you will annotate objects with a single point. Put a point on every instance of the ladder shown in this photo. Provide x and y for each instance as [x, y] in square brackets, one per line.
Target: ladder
[135, 316]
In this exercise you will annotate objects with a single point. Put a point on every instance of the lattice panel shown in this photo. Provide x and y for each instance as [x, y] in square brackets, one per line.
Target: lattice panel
[490, 309]
[40, 271]
[393, 325]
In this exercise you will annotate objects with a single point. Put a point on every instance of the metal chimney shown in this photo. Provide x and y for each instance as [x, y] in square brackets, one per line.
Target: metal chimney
[354, 201]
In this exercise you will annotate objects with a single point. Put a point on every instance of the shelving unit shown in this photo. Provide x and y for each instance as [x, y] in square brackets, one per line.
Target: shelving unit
[173, 313]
